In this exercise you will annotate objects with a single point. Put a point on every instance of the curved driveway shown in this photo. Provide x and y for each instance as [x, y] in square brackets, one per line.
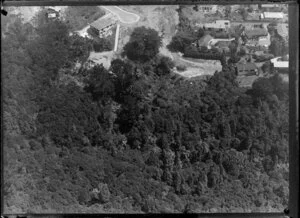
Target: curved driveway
[123, 16]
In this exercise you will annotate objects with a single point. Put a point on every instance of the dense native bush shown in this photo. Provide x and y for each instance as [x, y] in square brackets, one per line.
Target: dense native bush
[69, 116]
[136, 137]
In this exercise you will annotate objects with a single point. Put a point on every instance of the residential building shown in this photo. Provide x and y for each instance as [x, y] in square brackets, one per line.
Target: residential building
[246, 69]
[271, 16]
[218, 25]
[52, 13]
[103, 25]
[281, 63]
[208, 8]
[223, 46]
[255, 33]
[272, 7]
[269, 6]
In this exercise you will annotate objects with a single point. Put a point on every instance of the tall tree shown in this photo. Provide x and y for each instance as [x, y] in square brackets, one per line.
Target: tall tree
[143, 45]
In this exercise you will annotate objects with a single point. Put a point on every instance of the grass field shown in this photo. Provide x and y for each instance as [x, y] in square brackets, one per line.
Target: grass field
[79, 17]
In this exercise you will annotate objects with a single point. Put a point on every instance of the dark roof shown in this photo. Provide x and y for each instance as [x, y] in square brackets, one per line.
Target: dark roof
[203, 41]
[51, 10]
[102, 23]
[223, 44]
[246, 67]
[256, 32]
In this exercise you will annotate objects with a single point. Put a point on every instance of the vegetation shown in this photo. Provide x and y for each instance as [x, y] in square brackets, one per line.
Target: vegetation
[136, 137]
[143, 45]
[78, 17]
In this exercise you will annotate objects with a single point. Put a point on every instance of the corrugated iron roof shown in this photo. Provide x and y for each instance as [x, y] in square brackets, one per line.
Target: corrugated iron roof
[102, 23]
[256, 32]
[246, 67]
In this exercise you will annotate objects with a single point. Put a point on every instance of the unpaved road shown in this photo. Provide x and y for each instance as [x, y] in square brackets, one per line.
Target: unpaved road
[123, 16]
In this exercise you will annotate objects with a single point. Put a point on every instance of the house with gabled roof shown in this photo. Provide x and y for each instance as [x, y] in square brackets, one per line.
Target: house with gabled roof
[255, 33]
[246, 69]
[103, 24]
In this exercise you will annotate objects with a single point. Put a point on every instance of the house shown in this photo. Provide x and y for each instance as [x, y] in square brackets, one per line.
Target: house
[269, 5]
[281, 63]
[271, 16]
[272, 7]
[223, 46]
[257, 37]
[204, 41]
[255, 33]
[218, 25]
[246, 69]
[254, 15]
[103, 25]
[52, 13]
[208, 8]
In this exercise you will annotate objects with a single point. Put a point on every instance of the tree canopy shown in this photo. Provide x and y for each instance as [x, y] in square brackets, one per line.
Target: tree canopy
[143, 45]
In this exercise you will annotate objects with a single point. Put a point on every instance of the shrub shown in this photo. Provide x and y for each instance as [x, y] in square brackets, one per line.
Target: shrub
[102, 44]
[181, 68]
[35, 145]
[104, 193]
[195, 53]
[84, 196]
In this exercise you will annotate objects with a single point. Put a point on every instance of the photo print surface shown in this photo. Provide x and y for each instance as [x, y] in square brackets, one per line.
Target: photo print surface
[145, 109]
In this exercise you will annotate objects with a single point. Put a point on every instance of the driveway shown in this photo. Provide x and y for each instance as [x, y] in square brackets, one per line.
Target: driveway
[123, 16]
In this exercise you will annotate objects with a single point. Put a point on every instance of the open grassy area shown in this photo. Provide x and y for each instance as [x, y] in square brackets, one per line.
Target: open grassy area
[78, 17]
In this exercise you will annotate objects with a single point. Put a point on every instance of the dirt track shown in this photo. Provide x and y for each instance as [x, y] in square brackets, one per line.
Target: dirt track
[123, 16]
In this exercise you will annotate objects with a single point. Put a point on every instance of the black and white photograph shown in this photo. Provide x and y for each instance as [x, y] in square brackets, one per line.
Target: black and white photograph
[140, 109]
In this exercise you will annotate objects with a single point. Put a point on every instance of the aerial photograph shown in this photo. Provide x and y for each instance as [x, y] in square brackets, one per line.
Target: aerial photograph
[145, 109]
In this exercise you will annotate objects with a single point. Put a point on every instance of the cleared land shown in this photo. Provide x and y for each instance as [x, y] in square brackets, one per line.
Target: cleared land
[164, 19]
[124, 16]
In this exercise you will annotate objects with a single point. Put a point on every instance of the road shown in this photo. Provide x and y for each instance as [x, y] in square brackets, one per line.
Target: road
[123, 16]
[117, 38]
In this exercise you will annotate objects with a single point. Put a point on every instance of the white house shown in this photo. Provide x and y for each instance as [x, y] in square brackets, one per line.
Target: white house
[270, 5]
[271, 15]
[279, 63]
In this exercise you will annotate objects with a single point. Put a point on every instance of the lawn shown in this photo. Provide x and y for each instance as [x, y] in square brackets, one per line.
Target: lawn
[79, 17]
